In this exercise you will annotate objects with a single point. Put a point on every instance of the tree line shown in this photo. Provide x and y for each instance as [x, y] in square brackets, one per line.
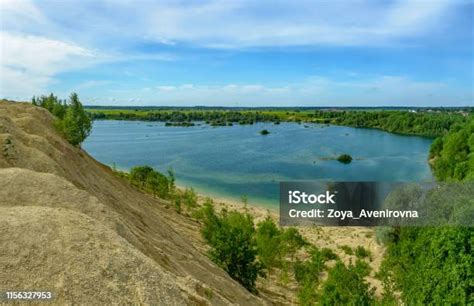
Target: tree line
[421, 123]
[429, 124]
[214, 118]
[434, 265]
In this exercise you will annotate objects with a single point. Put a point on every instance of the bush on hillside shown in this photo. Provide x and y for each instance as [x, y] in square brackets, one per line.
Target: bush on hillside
[72, 120]
[346, 285]
[233, 246]
[145, 177]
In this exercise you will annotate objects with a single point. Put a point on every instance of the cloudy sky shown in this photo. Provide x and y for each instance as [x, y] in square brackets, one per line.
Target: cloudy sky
[239, 52]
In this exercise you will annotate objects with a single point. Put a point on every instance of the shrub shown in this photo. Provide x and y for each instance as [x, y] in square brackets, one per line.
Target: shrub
[268, 239]
[307, 275]
[432, 265]
[190, 198]
[274, 244]
[292, 241]
[264, 132]
[233, 246]
[344, 158]
[361, 252]
[72, 120]
[147, 178]
[328, 254]
[158, 184]
[346, 285]
[347, 249]
[139, 174]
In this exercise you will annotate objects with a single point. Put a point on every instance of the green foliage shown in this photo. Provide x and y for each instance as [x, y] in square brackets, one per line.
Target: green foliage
[139, 174]
[422, 123]
[268, 239]
[171, 179]
[453, 154]
[158, 184]
[347, 249]
[190, 198]
[54, 105]
[183, 117]
[310, 270]
[346, 285]
[361, 252]
[72, 120]
[76, 124]
[177, 204]
[307, 275]
[432, 265]
[328, 254]
[344, 158]
[264, 132]
[145, 177]
[291, 241]
[231, 236]
[274, 244]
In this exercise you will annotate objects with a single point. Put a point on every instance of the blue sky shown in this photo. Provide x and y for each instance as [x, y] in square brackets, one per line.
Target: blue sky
[240, 53]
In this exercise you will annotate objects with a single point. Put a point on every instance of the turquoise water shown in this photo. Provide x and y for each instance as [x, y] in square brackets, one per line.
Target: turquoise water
[235, 161]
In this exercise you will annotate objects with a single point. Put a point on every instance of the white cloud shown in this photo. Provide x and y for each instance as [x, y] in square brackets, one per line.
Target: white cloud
[230, 24]
[166, 88]
[236, 24]
[28, 63]
[314, 91]
[18, 12]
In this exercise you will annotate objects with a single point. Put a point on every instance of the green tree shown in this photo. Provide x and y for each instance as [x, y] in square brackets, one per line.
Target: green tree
[307, 274]
[453, 154]
[190, 198]
[233, 246]
[76, 124]
[158, 184]
[268, 239]
[139, 174]
[346, 285]
[171, 179]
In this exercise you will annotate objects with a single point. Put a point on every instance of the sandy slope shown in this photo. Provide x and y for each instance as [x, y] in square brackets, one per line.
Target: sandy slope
[68, 225]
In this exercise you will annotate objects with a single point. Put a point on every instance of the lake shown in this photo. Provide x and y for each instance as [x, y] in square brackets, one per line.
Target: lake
[230, 162]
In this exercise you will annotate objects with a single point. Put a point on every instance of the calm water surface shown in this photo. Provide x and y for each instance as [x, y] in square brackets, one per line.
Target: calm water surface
[234, 161]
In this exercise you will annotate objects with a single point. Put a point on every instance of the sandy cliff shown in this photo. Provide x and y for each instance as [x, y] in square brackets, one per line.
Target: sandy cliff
[69, 226]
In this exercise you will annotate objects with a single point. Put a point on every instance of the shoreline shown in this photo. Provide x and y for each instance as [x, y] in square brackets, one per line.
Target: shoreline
[258, 211]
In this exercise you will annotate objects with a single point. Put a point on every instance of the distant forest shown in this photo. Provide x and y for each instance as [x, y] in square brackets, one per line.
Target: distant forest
[420, 122]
